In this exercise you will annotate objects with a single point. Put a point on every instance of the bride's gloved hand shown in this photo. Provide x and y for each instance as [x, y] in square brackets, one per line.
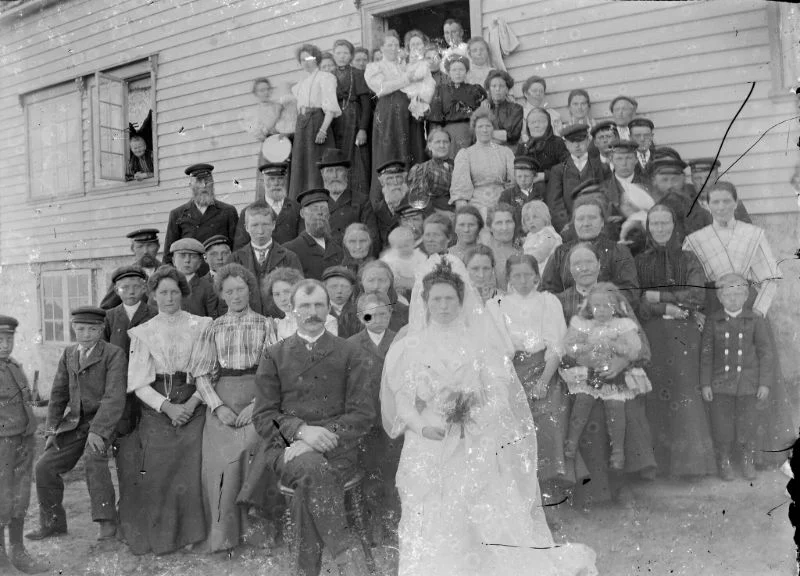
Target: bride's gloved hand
[433, 433]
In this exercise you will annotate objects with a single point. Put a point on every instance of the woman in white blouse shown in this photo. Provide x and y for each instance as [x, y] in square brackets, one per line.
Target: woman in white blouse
[317, 106]
[161, 509]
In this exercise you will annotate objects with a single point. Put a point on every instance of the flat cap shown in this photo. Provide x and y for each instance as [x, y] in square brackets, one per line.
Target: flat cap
[128, 272]
[187, 245]
[144, 235]
[624, 146]
[703, 164]
[667, 165]
[339, 272]
[215, 240]
[274, 168]
[88, 315]
[392, 167]
[313, 196]
[621, 97]
[603, 125]
[526, 162]
[667, 152]
[333, 157]
[575, 132]
[641, 122]
[198, 170]
[591, 186]
[8, 324]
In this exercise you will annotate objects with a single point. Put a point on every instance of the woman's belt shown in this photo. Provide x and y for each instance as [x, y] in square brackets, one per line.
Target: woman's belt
[175, 387]
[224, 372]
[309, 110]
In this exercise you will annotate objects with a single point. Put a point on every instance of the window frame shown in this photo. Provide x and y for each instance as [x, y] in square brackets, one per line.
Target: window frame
[784, 44]
[64, 276]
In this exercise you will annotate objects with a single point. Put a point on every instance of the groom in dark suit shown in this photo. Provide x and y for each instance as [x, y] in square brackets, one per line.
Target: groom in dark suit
[313, 405]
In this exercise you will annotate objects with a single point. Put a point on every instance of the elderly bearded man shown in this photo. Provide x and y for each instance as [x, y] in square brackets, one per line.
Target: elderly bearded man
[201, 217]
[346, 206]
[314, 247]
[393, 178]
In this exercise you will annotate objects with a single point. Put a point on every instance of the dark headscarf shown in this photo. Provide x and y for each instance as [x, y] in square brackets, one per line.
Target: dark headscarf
[536, 145]
[662, 265]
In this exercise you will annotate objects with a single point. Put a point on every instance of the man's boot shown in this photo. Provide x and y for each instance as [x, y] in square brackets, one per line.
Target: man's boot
[19, 557]
[108, 530]
[724, 463]
[351, 562]
[748, 464]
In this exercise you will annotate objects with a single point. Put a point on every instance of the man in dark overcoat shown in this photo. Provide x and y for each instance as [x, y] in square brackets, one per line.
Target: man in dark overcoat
[201, 217]
[276, 189]
[314, 246]
[263, 254]
[86, 402]
[313, 405]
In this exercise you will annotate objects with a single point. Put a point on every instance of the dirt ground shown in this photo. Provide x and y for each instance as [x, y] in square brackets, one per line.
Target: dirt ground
[709, 528]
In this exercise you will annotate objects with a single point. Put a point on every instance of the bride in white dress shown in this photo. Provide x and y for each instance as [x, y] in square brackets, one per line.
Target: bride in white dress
[467, 476]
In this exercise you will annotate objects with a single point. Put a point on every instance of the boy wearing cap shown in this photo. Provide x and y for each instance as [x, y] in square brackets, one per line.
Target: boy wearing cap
[17, 444]
[578, 167]
[262, 255]
[187, 254]
[276, 188]
[736, 373]
[145, 246]
[314, 246]
[218, 253]
[86, 402]
[525, 188]
[339, 283]
[201, 217]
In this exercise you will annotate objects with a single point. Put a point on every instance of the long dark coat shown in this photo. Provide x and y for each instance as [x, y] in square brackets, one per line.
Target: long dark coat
[313, 257]
[186, 221]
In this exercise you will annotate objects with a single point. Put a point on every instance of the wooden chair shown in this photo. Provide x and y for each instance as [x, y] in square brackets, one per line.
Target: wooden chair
[354, 504]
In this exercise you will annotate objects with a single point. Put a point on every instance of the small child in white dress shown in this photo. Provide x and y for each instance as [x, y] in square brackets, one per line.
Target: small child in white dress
[403, 259]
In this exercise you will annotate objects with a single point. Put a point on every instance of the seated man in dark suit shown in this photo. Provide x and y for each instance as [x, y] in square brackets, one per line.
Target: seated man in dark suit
[313, 405]
[263, 254]
[276, 189]
[314, 247]
[187, 254]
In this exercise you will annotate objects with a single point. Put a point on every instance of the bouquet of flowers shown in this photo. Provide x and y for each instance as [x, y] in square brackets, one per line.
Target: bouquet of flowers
[459, 412]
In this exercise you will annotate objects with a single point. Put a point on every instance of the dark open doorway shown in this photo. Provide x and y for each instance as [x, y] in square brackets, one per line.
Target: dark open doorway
[430, 19]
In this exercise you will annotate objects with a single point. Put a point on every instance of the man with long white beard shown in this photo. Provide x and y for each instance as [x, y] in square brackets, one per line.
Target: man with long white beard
[314, 246]
[201, 217]
[346, 206]
[274, 192]
[144, 245]
[393, 177]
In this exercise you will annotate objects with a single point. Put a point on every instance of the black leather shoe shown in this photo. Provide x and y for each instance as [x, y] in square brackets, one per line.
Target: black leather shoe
[49, 532]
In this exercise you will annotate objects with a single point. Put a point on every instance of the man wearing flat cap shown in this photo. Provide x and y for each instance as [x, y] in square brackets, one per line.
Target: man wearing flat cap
[263, 254]
[17, 445]
[524, 189]
[314, 246]
[144, 245]
[604, 135]
[187, 255]
[578, 167]
[218, 253]
[347, 205]
[201, 217]
[623, 109]
[708, 169]
[386, 198]
[86, 402]
[276, 189]
[642, 131]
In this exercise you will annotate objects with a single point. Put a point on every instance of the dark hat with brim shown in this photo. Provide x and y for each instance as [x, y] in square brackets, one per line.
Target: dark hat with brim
[703, 164]
[618, 98]
[667, 165]
[274, 168]
[198, 170]
[313, 196]
[603, 125]
[624, 146]
[524, 162]
[392, 167]
[575, 132]
[88, 315]
[641, 122]
[8, 324]
[667, 152]
[128, 272]
[333, 157]
[339, 272]
[216, 240]
[144, 235]
[588, 187]
[187, 245]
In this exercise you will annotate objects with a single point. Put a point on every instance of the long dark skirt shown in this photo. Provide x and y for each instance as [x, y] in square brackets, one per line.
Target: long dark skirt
[675, 409]
[390, 130]
[380, 459]
[161, 505]
[306, 153]
[345, 129]
[594, 447]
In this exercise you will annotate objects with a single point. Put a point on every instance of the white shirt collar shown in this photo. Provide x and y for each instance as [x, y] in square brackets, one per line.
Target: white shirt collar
[729, 227]
[310, 339]
[734, 314]
[190, 276]
[266, 246]
[275, 205]
[337, 309]
[629, 179]
[131, 310]
[376, 338]
[580, 162]
[320, 241]
[86, 350]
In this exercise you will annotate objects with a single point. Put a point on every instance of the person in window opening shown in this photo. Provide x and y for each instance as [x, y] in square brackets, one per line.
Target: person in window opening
[140, 163]
[508, 115]
[534, 90]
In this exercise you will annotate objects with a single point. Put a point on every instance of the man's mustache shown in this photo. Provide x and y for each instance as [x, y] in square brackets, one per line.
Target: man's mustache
[312, 318]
